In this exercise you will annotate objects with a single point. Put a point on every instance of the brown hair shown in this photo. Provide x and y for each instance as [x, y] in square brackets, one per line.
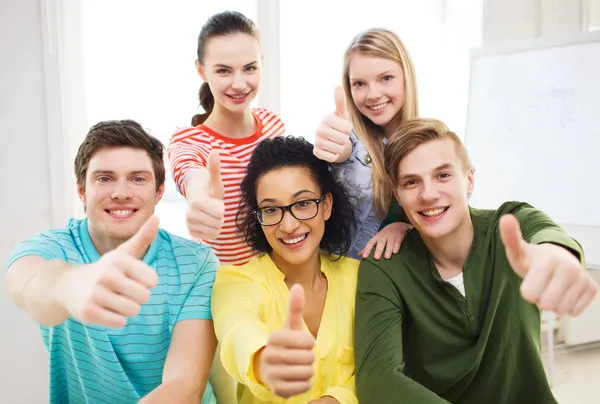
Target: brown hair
[413, 134]
[124, 133]
[221, 24]
[385, 44]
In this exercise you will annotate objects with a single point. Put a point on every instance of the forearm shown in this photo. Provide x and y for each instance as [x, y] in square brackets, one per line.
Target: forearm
[384, 384]
[196, 181]
[176, 391]
[34, 289]
[241, 357]
[344, 394]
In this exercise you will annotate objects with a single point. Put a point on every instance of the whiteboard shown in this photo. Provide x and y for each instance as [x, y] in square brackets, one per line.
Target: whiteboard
[533, 130]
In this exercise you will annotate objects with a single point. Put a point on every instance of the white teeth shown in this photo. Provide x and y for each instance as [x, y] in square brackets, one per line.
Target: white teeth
[378, 106]
[433, 212]
[237, 97]
[121, 212]
[294, 240]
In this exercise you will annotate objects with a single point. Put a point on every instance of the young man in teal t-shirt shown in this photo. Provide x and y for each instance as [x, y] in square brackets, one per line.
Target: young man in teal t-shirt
[123, 306]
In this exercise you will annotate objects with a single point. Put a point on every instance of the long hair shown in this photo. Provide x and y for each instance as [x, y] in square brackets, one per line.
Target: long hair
[221, 24]
[380, 43]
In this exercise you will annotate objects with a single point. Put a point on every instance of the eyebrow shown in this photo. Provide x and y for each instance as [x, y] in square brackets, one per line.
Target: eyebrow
[385, 73]
[297, 194]
[229, 67]
[441, 167]
[111, 172]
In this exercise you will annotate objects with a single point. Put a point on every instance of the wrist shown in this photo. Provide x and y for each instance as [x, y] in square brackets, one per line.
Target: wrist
[256, 365]
[62, 284]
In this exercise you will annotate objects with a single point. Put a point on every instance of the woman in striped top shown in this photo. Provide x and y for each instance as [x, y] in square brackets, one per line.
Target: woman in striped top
[209, 158]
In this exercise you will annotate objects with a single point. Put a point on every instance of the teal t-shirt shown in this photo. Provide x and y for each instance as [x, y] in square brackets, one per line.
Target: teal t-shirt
[92, 364]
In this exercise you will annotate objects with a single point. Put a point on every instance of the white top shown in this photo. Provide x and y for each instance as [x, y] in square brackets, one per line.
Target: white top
[458, 283]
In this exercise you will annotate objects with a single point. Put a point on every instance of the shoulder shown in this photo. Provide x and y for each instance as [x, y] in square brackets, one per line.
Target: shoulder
[254, 270]
[271, 123]
[345, 269]
[57, 243]
[487, 220]
[346, 264]
[187, 251]
[187, 134]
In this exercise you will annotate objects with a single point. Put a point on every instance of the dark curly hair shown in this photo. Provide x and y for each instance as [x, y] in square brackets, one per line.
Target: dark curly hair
[290, 151]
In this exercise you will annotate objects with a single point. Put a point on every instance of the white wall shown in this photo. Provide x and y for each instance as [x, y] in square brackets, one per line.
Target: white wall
[25, 203]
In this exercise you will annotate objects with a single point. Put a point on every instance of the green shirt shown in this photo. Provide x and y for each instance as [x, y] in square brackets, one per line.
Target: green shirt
[418, 340]
[395, 214]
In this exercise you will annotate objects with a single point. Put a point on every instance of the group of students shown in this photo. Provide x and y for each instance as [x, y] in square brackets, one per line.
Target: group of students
[284, 278]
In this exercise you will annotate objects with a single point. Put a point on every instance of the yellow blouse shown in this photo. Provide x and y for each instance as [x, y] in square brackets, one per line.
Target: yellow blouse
[251, 301]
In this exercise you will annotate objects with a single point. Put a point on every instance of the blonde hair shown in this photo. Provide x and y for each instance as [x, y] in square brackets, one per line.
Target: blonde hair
[413, 134]
[380, 43]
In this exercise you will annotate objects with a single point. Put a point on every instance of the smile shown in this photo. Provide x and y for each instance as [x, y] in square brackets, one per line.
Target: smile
[434, 212]
[378, 106]
[121, 213]
[296, 240]
[238, 96]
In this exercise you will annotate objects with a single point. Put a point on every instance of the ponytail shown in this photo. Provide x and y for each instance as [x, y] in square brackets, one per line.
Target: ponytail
[207, 101]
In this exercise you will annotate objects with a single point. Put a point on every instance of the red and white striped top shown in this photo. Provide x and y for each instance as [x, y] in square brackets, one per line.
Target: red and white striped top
[190, 148]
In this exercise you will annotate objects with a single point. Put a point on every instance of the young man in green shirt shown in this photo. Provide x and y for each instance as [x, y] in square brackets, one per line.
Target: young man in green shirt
[455, 315]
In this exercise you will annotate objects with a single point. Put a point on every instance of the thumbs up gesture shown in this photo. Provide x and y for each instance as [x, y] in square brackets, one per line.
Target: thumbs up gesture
[553, 278]
[332, 140]
[108, 291]
[206, 209]
[286, 362]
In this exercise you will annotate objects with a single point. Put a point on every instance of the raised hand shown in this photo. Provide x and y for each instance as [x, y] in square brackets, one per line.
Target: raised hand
[333, 133]
[114, 288]
[206, 208]
[286, 362]
[553, 278]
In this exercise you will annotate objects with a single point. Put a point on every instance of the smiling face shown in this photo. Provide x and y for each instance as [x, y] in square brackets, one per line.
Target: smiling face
[232, 68]
[377, 87]
[433, 188]
[293, 241]
[120, 194]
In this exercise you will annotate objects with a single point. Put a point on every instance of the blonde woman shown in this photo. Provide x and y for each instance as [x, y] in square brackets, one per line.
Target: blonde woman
[379, 80]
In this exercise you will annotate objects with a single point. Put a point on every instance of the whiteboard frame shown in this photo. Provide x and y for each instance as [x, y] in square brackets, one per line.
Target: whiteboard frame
[524, 46]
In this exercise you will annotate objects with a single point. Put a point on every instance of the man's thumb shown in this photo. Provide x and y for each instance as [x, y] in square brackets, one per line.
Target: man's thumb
[137, 245]
[515, 246]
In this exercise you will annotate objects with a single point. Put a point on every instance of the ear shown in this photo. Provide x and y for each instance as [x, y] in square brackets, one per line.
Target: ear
[327, 206]
[81, 193]
[470, 180]
[200, 70]
[160, 193]
[395, 191]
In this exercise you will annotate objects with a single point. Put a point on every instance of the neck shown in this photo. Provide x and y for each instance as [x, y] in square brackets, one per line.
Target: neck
[231, 124]
[102, 243]
[451, 251]
[308, 274]
[392, 126]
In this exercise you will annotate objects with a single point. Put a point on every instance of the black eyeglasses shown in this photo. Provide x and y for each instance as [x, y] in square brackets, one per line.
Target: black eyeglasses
[302, 210]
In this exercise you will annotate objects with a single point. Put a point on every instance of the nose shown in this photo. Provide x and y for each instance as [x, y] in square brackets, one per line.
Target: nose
[429, 193]
[121, 191]
[238, 83]
[289, 223]
[373, 93]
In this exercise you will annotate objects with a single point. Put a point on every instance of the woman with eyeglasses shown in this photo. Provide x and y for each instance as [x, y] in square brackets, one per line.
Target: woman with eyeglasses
[285, 319]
